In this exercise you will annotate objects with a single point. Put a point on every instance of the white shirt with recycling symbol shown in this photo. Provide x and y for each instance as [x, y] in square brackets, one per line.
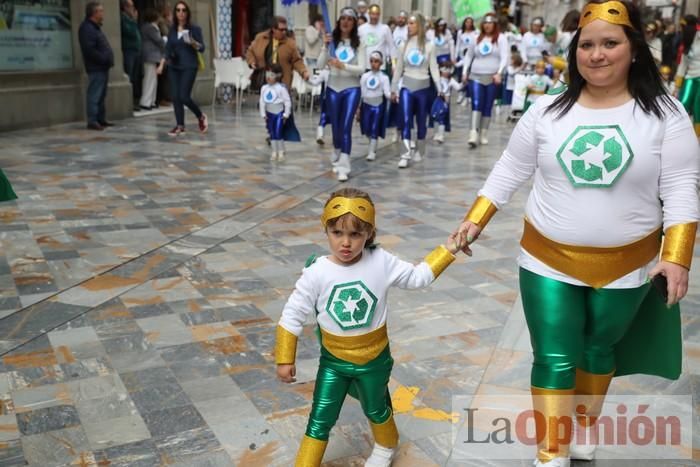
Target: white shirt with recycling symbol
[377, 37]
[350, 300]
[600, 177]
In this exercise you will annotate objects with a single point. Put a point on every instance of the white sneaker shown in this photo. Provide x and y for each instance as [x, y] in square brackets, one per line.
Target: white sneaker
[380, 457]
[586, 450]
[464, 103]
[280, 156]
[319, 135]
[403, 163]
[484, 139]
[556, 462]
[439, 138]
[273, 156]
[342, 176]
[371, 156]
[473, 138]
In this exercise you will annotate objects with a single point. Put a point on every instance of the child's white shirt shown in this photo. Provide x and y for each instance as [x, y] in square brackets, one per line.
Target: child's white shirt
[540, 83]
[274, 95]
[375, 84]
[510, 80]
[447, 85]
[350, 300]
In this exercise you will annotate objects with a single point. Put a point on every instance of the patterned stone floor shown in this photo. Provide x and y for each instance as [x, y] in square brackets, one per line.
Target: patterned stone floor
[141, 278]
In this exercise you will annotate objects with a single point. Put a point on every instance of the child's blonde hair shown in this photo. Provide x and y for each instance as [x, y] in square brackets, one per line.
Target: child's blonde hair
[349, 219]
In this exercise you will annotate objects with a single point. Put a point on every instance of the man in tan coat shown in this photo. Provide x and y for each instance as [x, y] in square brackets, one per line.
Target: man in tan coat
[274, 46]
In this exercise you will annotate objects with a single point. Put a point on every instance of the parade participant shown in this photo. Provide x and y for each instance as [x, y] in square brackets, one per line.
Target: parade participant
[483, 68]
[6, 191]
[416, 65]
[400, 33]
[615, 163]
[667, 78]
[276, 110]
[376, 36]
[568, 26]
[347, 292]
[466, 39]
[321, 79]
[653, 41]
[538, 84]
[688, 72]
[534, 43]
[441, 106]
[376, 91]
[515, 67]
[444, 44]
[343, 90]
[362, 10]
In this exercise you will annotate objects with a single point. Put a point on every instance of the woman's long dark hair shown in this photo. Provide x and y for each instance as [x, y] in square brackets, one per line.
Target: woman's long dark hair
[688, 33]
[354, 35]
[643, 82]
[464, 24]
[440, 30]
[189, 15]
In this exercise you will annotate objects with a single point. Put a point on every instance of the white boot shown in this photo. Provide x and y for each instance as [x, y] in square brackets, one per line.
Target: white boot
[474, 133]
[335, 157]
[372, 153]
[273, 154]
[460, 97]
[556, 462]
[440, 134]
[380, 457]
[473, 138]
[343, 167]
[585, 450]
[280, 150]
[419, 153]
[485, 122]
[395, 138]
[405, 153]
[319, 135]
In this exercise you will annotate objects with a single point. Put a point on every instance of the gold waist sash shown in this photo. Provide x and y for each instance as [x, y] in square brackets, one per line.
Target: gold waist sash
[356, 349]
[595, 266]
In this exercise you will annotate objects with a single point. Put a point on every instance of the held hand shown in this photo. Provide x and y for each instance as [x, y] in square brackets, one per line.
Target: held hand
[467, 232]
[195, 45]
[286, 373]
[453, 243]
[394, 97]
[335, 63]
[327, 38]
[159, 70]
[497, 79]
[305, 75]
[465, 79]
[677, 278]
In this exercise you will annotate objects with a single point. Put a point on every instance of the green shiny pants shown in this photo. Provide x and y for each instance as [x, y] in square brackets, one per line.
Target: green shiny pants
[689, 95]
[335, 378]
[574, 327]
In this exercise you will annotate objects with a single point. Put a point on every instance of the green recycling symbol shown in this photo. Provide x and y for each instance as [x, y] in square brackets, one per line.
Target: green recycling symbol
[351, 305]
[371, 39]
[595, 155]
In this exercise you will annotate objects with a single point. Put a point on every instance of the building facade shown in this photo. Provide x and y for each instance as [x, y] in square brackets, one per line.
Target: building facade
[42, 78]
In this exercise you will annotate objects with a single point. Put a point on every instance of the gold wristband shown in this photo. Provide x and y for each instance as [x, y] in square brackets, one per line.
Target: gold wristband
[439, 259]
[481, 211]
[679, 242]
[285, 347]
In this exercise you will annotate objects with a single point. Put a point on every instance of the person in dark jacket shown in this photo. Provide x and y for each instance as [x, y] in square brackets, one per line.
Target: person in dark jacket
[184, 41]
[153, 58]
[131, 45]
[98, 59]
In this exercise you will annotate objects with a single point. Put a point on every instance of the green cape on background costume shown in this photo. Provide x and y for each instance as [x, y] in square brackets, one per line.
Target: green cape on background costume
[6, 191]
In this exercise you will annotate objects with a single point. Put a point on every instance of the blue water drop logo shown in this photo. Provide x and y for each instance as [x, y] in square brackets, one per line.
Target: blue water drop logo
[467, 40]
[343, 55]
[439, 40]
[535, 42]
[415, 58]
[269, 97]
[486, 48]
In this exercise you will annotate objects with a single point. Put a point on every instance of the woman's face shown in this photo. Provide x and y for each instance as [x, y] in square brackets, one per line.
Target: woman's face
[412, 27]
[488, 28]
[536, 28]
[469, 24]
[604, 54]
[346, 25]
[181, 12]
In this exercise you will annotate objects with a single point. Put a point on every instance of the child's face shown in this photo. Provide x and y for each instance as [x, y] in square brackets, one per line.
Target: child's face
[666, 76]
[346, 243]
[539, 70]
[375, 64]
[271, 79]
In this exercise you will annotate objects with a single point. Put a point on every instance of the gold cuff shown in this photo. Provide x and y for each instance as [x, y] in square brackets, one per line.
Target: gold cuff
[679, 82]
[285, 347]
[439, 259]
[679, 241]
[385, 434]
[481, 211]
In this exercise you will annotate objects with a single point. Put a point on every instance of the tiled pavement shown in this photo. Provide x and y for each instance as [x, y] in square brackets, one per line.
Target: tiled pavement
[141, 279]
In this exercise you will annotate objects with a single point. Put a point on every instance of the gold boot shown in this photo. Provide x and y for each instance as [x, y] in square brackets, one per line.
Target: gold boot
[310, 452]
[556, 406]
[590, 394]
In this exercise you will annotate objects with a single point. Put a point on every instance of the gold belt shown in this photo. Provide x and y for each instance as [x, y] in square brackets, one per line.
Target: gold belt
[595, 266]
[356, 349]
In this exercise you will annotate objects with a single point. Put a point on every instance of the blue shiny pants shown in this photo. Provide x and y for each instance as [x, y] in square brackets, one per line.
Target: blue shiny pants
[274, 124]
[415, 104]
[340, 112]
[483, 97]
[372, 120]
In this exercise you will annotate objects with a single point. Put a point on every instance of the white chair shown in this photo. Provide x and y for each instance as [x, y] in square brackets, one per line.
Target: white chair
[244, 73]
[301, 88]
[225, 72]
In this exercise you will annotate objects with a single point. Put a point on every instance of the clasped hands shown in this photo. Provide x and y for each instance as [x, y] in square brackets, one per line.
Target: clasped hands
[462, 237]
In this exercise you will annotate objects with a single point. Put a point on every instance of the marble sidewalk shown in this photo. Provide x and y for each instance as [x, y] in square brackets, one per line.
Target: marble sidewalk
[141, 279]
